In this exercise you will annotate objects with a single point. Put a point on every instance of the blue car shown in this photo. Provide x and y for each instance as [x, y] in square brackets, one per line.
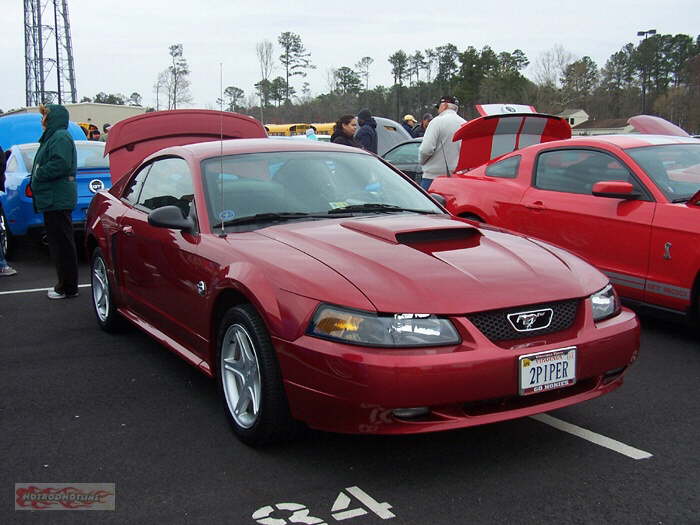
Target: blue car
[16, 207]
[26, 127]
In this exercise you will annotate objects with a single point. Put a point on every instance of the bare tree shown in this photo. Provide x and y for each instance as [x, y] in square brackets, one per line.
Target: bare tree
[363, 69]
[550, 66]
[267, 62]
[265, 59]
[162, 84]
[332, 79]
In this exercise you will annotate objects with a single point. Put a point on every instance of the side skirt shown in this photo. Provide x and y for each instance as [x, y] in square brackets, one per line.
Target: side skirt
[168, 342]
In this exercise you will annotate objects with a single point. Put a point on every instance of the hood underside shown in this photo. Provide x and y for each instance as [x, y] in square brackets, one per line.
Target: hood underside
[489, 137]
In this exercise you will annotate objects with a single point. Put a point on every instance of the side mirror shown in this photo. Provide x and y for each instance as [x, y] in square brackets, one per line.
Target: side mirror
[170, 217]
[614, 189]
[438, 198]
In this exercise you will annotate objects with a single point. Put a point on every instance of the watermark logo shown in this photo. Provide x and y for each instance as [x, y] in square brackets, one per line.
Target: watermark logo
[65, 496]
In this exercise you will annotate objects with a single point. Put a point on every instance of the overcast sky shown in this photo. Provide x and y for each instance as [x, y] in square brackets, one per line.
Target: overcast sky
[120, 47]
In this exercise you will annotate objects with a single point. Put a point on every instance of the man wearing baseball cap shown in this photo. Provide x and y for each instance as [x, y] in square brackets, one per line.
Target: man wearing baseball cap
[438, 154]
[409, 122]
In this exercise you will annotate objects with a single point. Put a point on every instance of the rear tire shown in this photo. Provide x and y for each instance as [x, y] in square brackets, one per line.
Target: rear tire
[250, 381]
[102, 298]
[5, 236]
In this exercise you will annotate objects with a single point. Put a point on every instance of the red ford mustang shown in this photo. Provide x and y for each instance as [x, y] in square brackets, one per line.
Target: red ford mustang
[628, 204]
[317, 284]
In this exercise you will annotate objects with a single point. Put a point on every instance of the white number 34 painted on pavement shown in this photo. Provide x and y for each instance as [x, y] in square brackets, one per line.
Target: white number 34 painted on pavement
[340, 511]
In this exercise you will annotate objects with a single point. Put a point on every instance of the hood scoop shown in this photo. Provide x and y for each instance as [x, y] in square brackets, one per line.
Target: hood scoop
[438, 236]
[404, 232]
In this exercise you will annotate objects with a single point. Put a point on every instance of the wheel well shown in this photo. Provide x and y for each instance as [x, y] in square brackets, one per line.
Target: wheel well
[90, 245]
[226, 299]
[695, 299]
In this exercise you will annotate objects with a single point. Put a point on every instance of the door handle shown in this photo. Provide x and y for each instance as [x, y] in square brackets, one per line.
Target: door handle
[127, 230]
[537, 205]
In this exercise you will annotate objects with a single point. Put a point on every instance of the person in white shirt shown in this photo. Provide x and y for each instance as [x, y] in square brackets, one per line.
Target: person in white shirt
[438, 154]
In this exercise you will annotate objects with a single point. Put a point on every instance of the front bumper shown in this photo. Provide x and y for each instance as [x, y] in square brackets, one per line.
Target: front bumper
[350, 389]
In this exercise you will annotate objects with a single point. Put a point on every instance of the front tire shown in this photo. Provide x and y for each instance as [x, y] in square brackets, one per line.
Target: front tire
[250, 380]
[102, 298]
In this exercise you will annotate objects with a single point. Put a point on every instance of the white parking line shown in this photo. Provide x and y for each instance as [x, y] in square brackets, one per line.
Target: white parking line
[598, 439]
[29, 290]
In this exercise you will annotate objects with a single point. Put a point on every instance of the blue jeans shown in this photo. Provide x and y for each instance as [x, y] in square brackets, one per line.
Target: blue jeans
[425, 183]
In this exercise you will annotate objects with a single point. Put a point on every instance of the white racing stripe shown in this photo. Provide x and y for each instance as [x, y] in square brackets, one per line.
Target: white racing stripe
[598, 439]
[29, 290]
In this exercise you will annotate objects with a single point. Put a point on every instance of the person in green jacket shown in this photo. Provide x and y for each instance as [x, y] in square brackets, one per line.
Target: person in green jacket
[55, 194]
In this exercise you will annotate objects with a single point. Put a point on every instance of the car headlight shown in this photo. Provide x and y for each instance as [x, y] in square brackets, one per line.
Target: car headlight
[605, 303]
[392, 330]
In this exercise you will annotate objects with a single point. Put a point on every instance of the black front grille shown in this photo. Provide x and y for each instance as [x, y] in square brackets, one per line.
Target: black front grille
[494, 324]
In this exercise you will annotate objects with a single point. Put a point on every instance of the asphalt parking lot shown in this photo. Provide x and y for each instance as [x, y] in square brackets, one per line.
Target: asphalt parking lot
[81, 406]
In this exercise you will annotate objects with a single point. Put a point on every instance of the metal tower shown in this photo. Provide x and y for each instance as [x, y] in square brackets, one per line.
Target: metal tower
[48, 53]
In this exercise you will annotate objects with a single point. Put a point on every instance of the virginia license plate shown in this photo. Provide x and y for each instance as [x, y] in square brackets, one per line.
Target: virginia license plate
[546, 371]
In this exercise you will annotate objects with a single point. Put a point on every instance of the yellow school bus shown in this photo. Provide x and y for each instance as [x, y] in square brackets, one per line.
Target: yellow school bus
[324, 128]
[286, 130]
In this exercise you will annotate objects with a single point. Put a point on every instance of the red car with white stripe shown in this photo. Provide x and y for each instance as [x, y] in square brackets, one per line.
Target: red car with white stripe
[628, 204]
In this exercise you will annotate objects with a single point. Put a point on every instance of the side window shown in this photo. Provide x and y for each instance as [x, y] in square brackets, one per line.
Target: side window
[505, 169]
[406, 154]
[576, 171]
[133, 188]
[12, 165]
[168, 182]
[28, 155]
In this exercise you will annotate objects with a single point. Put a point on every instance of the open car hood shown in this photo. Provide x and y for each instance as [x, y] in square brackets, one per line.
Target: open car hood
[656, 126]
[133, 139]
[491, 136]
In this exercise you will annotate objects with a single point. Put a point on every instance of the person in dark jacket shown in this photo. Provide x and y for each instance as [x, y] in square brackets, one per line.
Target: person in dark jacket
[367, 134]
[55, 194]
[419, 129]
[5, 269]
[344, 131]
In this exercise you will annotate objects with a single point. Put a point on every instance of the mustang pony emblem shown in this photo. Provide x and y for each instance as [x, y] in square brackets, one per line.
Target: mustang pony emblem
[667, 250]
[532, 320]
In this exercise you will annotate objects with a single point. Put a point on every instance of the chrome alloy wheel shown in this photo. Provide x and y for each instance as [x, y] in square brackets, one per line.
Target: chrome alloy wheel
[240, 375]
[100, 289]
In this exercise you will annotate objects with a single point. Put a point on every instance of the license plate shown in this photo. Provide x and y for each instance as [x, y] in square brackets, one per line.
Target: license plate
[546, 371]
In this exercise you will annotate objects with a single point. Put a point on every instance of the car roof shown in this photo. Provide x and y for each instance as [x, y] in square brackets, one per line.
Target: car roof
[30, 145]
[415, 139]
[634, 140]
[204, 150]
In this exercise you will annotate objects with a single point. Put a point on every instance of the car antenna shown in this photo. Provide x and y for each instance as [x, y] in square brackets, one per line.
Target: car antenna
[221, 144]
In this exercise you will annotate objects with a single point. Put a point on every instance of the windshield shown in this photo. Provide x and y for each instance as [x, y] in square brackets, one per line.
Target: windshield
[674, 168]
[306, 183]
[90, 155]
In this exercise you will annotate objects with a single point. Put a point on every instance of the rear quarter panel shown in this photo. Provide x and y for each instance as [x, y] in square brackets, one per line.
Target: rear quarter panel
[101, 226]
[674, 259]
[496, 200]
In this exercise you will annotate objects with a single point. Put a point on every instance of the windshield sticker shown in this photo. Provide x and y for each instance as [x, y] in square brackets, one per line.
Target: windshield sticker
[227, 215]
[339, 204]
